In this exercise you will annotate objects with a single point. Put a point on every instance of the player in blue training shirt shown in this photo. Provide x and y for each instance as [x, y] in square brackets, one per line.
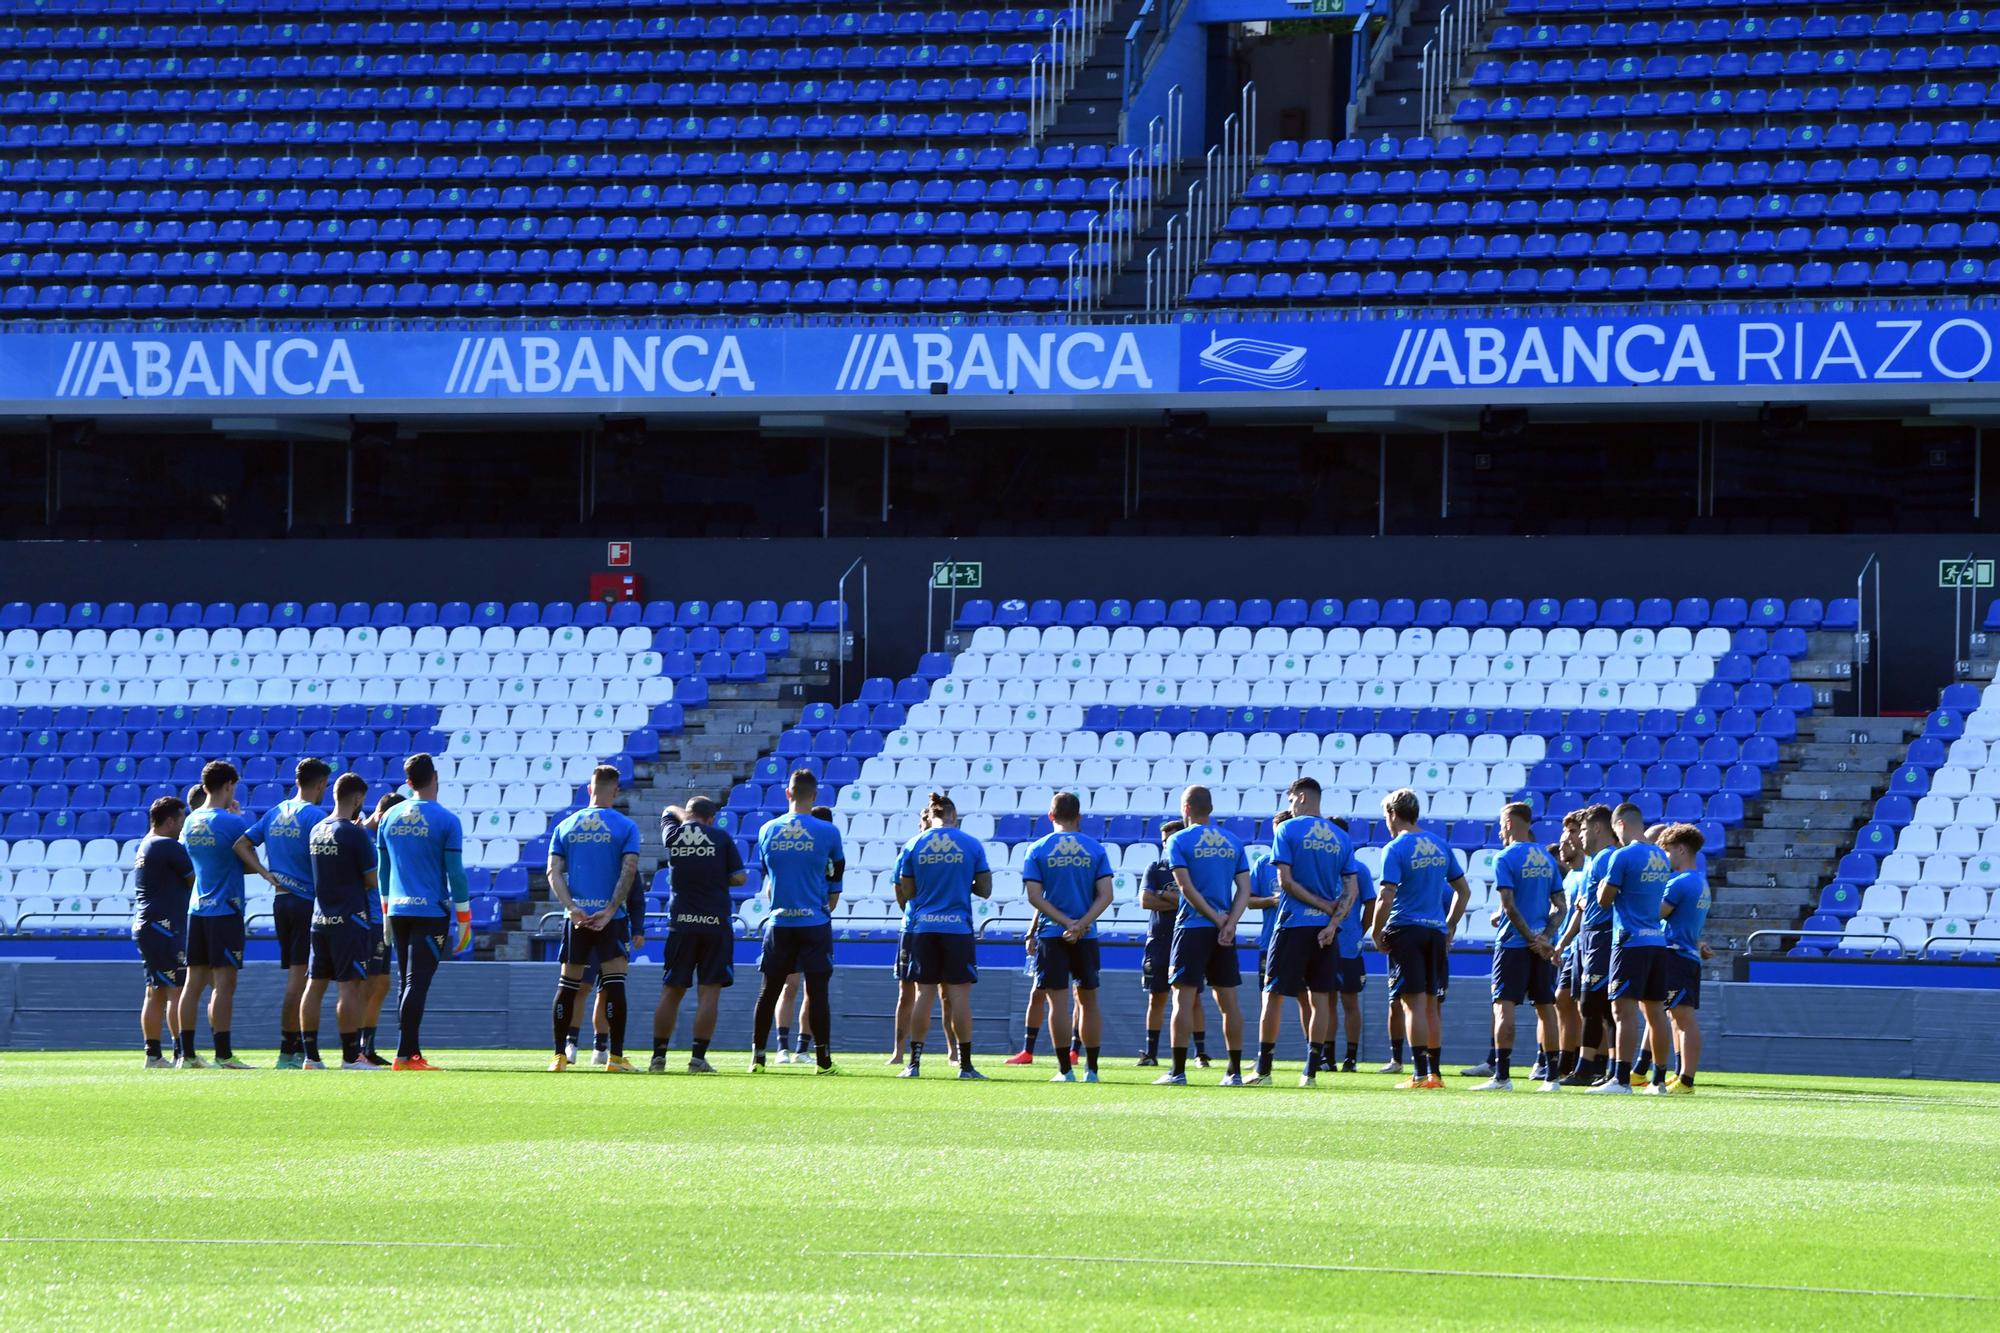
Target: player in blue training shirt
[215, 840]
[1067, 878]
[1161, 897]
[1350, 976]
[1212, 873]
[1422, 896]
[1686, 910]
[703, 865]
[162, 874]
[429, 903]
[1633, 887]
[381, 956]
[938, 873]
[1564, 929]
[1317, 887]
[803, 864]
[344, 933]
[1263, 900]
[594, 873]
[284, 832]
[1524, 967]
[1593, 945]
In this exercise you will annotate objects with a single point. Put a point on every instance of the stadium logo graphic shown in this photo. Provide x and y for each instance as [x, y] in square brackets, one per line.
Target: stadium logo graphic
[1751, 352]
[1253, 362]
[526, 364]
[207, 368]
[1080, 362]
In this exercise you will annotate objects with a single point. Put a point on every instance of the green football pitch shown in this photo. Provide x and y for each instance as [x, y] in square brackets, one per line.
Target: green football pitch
[498, 1196]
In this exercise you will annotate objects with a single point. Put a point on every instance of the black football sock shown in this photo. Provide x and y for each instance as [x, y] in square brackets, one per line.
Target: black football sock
[1201, 1046]
[565, 1008]
[1312, 1060]
[660, 1045]
[1396, 1045]
[1353, 1051]
[1033, 1035]
[698, 1051]
[784, 1039]
[1265, 1050]
[1643, 1065]
[1180, 1061]
[310, 1042]
[1421, 1055]
[1566, 1063]
[819, 1009]
[916, 1053]
[1326, 1060]
[1660, 1075]
[1062, 1059]
[615, 1016]
[223, 1049]
[1503, 1065]
[152, 1048]
[1437, 1062]
[1152, 1043]
[288, 1041]
[965, 1055]
[1686, 1078]
[1090, 1057]
[601, 1041]
[1622, 1071]
[572, 1034]
[350, 1048]
[367, 1036]
[1236, 1064]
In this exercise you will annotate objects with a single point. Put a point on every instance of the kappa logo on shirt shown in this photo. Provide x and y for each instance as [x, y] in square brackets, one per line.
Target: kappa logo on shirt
[688, 840]
[589, 827]
[1068, 852]
[1319, 838]
[940, 849]
[793, 837]
[408, 822]
[1213, 842]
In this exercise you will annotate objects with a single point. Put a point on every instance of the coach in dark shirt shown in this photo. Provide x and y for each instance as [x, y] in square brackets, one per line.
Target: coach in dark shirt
[703, 865]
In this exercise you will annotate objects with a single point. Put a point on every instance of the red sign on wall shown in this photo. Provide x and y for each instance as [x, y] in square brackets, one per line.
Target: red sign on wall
[618, 555]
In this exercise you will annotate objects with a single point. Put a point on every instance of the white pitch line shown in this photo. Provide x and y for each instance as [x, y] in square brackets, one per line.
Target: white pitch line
[1393, 1271]
[222, 1240]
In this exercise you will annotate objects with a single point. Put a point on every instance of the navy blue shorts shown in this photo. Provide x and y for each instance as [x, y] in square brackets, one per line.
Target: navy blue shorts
[164, 952]
[1683, 981]
[1595, 969]
[292, 917]
[1299, 962]
[1156, 963]
[1059, 964]
[380, 958]
[1522, 975]
[341, 949]
[902, 969]
[1568, 981]
[1639, 973]
[1349, 976]
[1419, 961]
[215, 941]
[807, 949]
[585, 947]
[695, 956]
[943, 959]
[1197, 960]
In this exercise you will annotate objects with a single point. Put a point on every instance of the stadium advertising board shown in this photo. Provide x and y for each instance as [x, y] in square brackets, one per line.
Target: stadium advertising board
[1476, 357]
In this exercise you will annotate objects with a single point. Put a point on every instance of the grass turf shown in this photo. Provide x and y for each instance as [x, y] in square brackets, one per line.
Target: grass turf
[495, 1195]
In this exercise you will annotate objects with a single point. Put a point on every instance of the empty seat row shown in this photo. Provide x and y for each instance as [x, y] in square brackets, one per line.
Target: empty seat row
[1933, 98]
[1746, 173]
[1695, 143]
[1701, 67]
[1787, 28]
[1489, 641]
[692, 614]
[1892, 275]
[1719, 243]
[1620, 210]
[1362, 613]
[437, 34]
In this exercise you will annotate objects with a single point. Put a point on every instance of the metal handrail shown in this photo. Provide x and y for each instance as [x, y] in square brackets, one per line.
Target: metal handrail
[1874, 640]
[1755, 935]
[1459, 29]
[1226, 168]
[840, 592]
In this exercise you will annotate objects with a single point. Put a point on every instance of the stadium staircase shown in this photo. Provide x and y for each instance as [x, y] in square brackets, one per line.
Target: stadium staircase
[1392, 106]
[1823, 790]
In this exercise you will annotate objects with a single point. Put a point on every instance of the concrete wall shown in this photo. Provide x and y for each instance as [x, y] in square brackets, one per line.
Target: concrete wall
[1872, 1031]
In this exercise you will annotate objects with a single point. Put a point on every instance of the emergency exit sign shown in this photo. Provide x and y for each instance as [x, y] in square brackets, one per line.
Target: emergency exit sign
[1965, 573]
[958, 574]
